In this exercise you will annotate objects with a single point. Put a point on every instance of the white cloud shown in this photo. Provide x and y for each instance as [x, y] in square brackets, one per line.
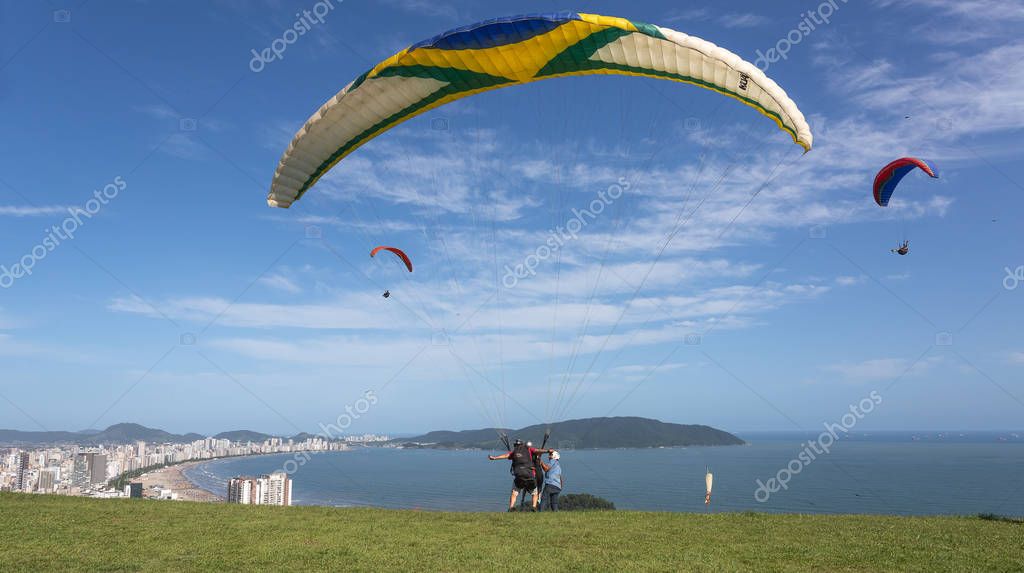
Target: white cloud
[32, 211]
[425, 8]
[424, 170]
[882, 368]
[158, 111]
[350, 351]
[280, 282]
[730, 20]
[185, 146]
[983, 10]
[520, 328]
[353, 313]
[349, 220]
[687, 15]
[278, 134]
[960, 21]
[639, 372]
[946, 105]
[743, 20]
[363, 311]
[846, 281]
[623, 278]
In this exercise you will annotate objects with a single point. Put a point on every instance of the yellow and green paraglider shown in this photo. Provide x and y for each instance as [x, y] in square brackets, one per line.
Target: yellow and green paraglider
[512, 51]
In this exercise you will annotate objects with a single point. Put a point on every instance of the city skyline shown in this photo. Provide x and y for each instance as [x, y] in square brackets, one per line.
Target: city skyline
[72, 469]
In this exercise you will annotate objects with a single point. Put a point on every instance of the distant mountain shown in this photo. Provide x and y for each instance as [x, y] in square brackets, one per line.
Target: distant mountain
[243, 436]
[588, 433]
[116, 434]
[18, 438]
[127, 433]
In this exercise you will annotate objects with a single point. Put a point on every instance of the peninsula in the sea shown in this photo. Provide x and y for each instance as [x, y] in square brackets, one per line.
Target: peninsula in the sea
[586, 433]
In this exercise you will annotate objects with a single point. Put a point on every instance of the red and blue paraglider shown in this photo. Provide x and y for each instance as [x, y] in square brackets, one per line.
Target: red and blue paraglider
[890, 176]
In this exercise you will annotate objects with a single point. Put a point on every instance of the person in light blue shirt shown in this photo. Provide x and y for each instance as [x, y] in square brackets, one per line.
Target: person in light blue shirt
[552, 482]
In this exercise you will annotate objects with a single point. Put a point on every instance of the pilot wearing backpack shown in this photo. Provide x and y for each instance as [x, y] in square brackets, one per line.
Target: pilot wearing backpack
[524, 476]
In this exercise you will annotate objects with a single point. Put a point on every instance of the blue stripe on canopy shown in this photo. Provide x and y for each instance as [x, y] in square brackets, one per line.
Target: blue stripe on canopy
[889, 185]
[497, 32]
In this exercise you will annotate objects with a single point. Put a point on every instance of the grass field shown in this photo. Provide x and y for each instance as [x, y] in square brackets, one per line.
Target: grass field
[48, 533]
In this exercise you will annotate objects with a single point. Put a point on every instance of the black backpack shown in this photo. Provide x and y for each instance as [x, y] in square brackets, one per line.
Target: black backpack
[522, 462]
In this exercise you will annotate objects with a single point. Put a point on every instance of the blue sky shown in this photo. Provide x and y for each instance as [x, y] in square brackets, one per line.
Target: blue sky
[186, 303]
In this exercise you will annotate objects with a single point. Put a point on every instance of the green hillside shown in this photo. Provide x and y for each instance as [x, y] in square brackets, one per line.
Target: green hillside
[46, 533]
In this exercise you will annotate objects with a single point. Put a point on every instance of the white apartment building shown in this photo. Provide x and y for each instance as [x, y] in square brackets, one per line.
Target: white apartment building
[272, 489]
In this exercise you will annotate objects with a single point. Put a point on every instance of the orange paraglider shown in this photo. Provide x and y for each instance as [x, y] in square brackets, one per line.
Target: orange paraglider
[397, 252]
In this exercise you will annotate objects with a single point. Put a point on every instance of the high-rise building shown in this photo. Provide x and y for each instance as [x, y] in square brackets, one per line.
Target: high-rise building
[80, 474]
[240, 490]
[47, 481]
[21, 482]
[278, 489]
[98, 469]
[134, 490]
[273, 489]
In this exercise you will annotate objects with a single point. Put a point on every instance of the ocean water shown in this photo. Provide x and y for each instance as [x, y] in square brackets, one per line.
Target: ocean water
[950, 474]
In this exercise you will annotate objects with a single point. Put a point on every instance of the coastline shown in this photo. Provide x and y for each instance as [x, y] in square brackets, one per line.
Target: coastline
[196, 490]
[338, 480]
[174, 479]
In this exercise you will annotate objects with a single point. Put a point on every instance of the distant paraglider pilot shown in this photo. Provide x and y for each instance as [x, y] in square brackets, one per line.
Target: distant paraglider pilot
[524, 476]
[902, 249]
[398, 253]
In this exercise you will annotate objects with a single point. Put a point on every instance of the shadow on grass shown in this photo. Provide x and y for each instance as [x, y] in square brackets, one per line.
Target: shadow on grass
[1001, 518]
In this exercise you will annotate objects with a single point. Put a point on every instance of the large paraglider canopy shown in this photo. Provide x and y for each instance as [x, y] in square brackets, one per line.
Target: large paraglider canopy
[890, 176]
[478, 210]
[398, 252]
[512, 51]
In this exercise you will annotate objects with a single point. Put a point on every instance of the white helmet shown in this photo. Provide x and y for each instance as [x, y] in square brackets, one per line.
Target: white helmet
[554, 455]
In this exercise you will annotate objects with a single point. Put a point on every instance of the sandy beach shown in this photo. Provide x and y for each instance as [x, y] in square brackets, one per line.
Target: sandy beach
[172, 478]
